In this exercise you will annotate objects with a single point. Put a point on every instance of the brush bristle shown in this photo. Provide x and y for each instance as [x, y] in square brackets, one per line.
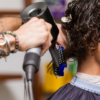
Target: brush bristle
[51, 66]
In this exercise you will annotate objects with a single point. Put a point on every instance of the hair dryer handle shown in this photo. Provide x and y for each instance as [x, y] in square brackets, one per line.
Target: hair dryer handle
[32, 58]
[36, 50]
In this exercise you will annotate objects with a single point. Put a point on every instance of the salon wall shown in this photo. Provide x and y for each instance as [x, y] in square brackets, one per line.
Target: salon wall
[14, 89]
[11, 4]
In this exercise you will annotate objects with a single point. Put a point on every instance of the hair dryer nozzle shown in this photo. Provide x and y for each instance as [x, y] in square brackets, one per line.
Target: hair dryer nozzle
[41, 10]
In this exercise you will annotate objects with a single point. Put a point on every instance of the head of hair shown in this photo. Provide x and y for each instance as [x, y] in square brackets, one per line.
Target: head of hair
[84, 28]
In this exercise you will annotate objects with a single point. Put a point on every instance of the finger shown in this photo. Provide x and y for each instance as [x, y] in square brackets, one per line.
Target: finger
[49, 26]
[33, 19]
[50, 36]
[46, 46]
[50, 40]
[44, 49]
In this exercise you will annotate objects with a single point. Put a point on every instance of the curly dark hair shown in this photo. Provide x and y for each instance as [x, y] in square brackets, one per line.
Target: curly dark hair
[84, 29]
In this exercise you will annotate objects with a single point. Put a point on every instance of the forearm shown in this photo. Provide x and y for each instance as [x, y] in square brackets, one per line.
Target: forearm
[29, 35]
[10, 24]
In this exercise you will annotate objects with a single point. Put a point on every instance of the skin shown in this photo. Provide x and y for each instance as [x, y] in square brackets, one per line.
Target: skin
[28, 34]
[34, 33]
[91, 65]
[62, 39]
[10, 23]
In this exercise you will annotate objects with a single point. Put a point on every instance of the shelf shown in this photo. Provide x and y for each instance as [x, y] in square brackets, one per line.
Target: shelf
[6, 77]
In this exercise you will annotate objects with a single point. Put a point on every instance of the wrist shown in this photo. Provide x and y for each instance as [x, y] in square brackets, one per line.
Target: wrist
[17, 34]
[16, 41]
[8, 43]
[11, 41]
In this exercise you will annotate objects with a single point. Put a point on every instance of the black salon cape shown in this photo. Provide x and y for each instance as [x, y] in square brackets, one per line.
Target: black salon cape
[69, 92]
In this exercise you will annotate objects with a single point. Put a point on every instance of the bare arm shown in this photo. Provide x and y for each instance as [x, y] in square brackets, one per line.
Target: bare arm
[10, 24]
[29, 34]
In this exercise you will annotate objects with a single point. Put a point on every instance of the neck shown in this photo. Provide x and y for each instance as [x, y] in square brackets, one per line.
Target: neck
[90, 66]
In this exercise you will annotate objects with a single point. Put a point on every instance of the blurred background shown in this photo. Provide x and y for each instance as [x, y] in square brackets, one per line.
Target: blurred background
[11, 72]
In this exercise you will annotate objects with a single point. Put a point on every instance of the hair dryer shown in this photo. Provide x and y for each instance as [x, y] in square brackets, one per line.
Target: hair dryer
[32, 57]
